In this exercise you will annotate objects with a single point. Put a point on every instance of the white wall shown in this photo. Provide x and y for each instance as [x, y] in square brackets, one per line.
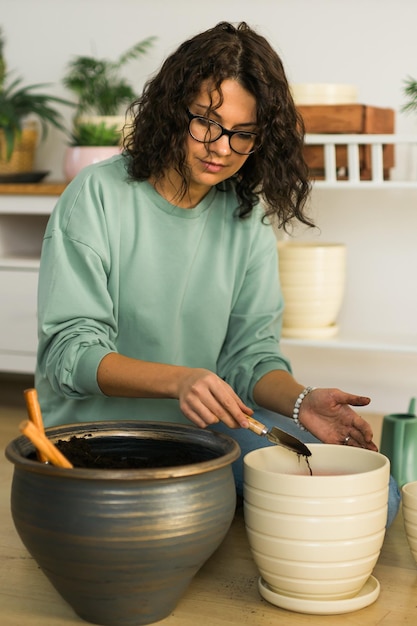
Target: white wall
[370, 43]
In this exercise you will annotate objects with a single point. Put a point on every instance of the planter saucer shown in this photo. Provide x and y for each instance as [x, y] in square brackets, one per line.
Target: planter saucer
[366, 596]
[23, 177]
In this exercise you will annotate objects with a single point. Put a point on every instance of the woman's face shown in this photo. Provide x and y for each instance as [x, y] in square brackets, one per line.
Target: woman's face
[211, 163]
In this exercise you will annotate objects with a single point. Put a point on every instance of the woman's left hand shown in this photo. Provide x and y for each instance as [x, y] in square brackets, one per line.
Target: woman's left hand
[328, 415]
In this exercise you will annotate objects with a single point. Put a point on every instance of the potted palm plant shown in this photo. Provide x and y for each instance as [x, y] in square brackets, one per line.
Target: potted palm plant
[23, 109]
[102, 94]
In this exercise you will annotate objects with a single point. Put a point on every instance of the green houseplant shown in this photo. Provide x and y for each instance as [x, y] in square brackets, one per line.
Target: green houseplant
[102, 94]
[18, 104]
[95, 132]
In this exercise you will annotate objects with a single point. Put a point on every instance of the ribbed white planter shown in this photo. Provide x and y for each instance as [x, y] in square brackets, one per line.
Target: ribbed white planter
[316, 538]
[312, 279]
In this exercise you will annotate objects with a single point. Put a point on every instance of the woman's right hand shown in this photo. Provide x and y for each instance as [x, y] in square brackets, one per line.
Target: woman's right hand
[206, 399]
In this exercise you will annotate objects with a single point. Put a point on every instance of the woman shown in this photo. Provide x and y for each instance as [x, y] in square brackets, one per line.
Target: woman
[159, 295]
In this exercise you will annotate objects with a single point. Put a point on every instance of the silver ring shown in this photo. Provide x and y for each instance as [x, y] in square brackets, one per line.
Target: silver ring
[347, 439]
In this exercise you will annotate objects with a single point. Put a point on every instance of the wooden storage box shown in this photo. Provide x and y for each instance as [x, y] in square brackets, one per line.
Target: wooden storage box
[347, 119]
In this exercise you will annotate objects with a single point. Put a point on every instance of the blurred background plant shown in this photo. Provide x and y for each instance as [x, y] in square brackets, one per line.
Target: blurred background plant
[19, 103]
[410, 91]
[102, 96]
[95, 134]
[98, 84]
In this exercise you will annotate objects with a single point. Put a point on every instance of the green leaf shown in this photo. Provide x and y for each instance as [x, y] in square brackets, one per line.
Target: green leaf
[410, 90]
[135, 51]
[90, 134]
[97, 83]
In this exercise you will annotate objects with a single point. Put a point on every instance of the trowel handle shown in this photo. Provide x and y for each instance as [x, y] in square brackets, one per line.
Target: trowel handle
[412, 407]
[257, 427]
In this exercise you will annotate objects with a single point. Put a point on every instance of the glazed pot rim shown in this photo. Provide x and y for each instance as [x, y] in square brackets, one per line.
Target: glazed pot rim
[229, 450]
[253, 463]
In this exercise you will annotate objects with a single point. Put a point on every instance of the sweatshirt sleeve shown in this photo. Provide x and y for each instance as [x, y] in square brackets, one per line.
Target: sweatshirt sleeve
[76, 323]
[252, 345]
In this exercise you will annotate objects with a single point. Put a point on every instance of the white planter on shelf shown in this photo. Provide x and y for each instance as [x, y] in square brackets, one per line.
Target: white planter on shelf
[312, 277]
[324, 93]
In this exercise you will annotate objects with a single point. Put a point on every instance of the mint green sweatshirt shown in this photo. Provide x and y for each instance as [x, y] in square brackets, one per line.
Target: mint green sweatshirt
[123, 270]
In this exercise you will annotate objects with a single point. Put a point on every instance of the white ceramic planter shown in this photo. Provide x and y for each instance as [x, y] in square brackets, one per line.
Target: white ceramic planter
[316, 539]
[312, 279]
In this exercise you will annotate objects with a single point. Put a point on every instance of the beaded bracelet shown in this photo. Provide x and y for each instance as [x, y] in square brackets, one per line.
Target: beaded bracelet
[297, 405]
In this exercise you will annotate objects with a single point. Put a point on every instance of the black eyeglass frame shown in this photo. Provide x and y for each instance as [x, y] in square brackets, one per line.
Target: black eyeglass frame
[224, 131]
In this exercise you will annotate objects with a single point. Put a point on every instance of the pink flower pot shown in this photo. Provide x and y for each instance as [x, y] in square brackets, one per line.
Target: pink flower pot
[78, 157]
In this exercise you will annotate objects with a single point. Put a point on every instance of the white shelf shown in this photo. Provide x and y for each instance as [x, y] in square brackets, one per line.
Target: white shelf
[353, 143]
[27, 205]
[365, 184]
[19, 263]
[17, 362]
[383, 344]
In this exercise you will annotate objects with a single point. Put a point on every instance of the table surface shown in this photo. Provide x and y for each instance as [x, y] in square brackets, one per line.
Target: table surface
[223, 593]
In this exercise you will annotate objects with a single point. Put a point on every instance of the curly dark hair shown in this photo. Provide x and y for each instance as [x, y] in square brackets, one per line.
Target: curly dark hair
[276, 172]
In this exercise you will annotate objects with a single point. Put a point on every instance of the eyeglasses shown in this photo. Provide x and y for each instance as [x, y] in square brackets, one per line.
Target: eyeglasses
[207, 131]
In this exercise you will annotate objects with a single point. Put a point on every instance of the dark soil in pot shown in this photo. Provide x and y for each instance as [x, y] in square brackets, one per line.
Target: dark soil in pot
[130, 453]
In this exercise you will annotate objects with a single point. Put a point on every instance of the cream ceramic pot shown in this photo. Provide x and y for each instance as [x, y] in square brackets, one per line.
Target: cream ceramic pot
[324, 93]
[315, 538]
[409, 509]
[312, 277]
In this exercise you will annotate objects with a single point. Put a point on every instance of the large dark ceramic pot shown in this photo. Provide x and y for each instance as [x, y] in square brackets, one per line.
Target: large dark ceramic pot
[122, 545]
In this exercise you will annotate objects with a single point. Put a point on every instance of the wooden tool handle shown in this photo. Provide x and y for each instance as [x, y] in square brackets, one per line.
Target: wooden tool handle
[256, 427]
[43, 444]
[35, 416]
[33, 407]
